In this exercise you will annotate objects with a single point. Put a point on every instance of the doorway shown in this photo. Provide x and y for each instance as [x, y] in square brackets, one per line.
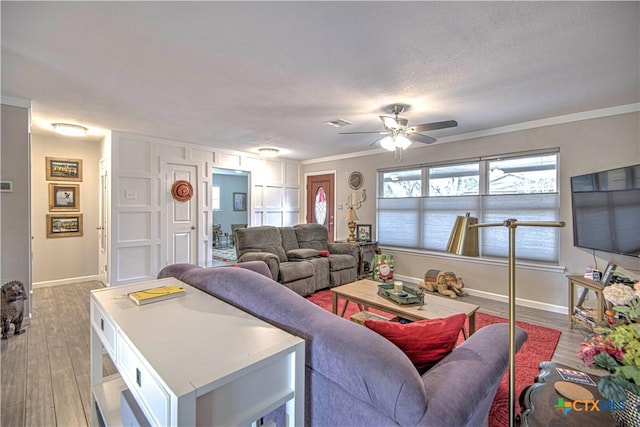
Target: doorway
[230, 210]
[321, 201]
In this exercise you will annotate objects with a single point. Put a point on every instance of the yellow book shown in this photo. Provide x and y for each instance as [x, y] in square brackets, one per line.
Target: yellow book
[160, 293]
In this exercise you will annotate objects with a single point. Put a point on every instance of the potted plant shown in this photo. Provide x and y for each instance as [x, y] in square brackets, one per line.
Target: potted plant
[616, 348]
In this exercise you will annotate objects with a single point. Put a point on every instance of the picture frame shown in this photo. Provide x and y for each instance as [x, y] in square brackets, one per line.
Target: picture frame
[64, 197]
[64, 225]
[239, 201]
[363, 232]
[608, 274]
[63, 169]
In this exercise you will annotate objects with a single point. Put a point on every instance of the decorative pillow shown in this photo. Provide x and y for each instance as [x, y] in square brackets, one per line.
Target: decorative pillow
[324, 253]
[425, 342]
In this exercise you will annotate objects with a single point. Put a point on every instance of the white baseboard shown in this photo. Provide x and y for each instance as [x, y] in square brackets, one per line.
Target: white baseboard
[499, 297]
[64, 281]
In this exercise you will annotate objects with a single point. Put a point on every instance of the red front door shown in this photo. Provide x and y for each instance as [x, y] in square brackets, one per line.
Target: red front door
[320, 201]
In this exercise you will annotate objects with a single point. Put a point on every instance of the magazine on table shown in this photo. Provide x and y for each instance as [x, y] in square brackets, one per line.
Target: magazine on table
[575, 376]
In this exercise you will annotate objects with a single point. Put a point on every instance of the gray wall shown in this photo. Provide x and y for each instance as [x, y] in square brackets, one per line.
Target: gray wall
[15, 247]
[585, 146]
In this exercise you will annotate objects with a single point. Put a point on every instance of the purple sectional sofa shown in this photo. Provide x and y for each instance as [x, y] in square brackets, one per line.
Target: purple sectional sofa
[355, 377]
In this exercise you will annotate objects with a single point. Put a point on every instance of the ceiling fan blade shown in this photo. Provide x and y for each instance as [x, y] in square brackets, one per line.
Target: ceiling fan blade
[434, 126]
[379, 132]
[390, 122]
[417, 137]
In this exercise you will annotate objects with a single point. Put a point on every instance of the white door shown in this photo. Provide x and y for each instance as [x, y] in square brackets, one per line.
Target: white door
[103, 201]
[182, 221]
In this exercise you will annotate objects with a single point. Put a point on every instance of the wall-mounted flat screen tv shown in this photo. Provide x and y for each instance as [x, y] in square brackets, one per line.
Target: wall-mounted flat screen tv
[606, 210]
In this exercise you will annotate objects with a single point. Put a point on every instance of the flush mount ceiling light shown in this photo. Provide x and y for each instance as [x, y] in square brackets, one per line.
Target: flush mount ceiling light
[268, 152]
[69, 129]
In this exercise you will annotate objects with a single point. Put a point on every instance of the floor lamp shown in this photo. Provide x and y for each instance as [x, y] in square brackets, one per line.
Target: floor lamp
[464, 241]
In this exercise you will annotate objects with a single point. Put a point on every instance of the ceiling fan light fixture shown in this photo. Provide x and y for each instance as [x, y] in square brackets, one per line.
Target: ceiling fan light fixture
[268, 152]
[388, 143]
[69, 129]
[402, 142]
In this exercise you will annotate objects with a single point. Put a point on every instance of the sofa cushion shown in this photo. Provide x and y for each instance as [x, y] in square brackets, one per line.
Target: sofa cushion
[289, 239]
[264, 238]
[292, 271]
[297, 254]
[341, 262]
[425, 342]
[314, 236]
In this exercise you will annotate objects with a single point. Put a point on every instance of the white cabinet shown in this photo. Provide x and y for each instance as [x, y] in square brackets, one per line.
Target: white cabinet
[191, 360]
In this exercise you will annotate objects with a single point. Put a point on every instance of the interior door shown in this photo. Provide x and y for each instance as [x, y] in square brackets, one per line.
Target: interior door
[320, 201]
[103, 209]
[182, 220]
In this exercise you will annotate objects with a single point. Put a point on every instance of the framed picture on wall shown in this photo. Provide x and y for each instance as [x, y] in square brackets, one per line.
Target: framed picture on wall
[64, 197]
[64, 225]
[239, 201]
[364, 232]
[62, 169]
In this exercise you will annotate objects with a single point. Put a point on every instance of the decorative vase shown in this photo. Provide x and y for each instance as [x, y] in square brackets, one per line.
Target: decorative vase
[630, 416]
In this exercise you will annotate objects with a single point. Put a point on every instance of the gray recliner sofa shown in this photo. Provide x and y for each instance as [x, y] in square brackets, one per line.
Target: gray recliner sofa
[299, 257]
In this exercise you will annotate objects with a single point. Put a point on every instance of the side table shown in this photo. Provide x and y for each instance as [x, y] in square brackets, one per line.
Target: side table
[367, 250]
[587, 285]
[174, 376]
[540, 403]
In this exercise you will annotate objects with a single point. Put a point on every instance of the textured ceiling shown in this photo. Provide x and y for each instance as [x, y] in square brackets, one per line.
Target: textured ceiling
[240, 75]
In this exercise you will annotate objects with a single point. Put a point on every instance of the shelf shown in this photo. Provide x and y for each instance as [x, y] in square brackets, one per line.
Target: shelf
[107, 395]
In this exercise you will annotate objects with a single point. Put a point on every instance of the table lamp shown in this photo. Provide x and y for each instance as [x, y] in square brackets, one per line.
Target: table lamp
[465, 229]
[351, 219]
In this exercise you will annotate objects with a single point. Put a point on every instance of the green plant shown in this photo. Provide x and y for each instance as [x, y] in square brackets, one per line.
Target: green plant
[617, 348]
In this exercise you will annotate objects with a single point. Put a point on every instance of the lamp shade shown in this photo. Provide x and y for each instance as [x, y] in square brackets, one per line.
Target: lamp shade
[388, 143]
[351, 215]
[464, 240]
[402, 142]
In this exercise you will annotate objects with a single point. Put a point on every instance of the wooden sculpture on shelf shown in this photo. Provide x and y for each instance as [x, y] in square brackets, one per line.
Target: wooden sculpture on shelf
[443, 282]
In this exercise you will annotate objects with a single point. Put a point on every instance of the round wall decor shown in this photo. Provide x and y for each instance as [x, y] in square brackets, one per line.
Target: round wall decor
[355, 180]
[182, 190]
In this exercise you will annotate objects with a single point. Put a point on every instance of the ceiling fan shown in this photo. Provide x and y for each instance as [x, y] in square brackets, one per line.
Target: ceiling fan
[399, 136]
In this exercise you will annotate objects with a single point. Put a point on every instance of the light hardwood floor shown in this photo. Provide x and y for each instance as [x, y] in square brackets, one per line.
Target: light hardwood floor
[45, 371]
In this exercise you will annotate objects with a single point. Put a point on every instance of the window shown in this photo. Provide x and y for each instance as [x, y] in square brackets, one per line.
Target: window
[417, 206]
[215, 198]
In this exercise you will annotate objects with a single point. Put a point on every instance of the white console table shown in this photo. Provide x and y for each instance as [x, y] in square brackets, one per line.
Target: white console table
[191, 360]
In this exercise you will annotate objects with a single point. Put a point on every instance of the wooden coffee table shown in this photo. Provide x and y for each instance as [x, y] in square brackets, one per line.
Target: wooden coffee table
[365, 294]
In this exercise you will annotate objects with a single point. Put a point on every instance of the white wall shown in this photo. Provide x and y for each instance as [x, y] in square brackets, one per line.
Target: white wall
[585, 146]
[64, 259]
[15, 248]
[138, 238]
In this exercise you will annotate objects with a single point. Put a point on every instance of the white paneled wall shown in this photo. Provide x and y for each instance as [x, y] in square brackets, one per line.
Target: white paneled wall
[276, 193]
[141, 190]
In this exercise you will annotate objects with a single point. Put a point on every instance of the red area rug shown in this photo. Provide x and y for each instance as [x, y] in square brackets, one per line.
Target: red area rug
[540, 345]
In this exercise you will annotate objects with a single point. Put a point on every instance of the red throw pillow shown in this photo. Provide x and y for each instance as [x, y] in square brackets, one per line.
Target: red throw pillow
[425, 342]
[323, 253]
